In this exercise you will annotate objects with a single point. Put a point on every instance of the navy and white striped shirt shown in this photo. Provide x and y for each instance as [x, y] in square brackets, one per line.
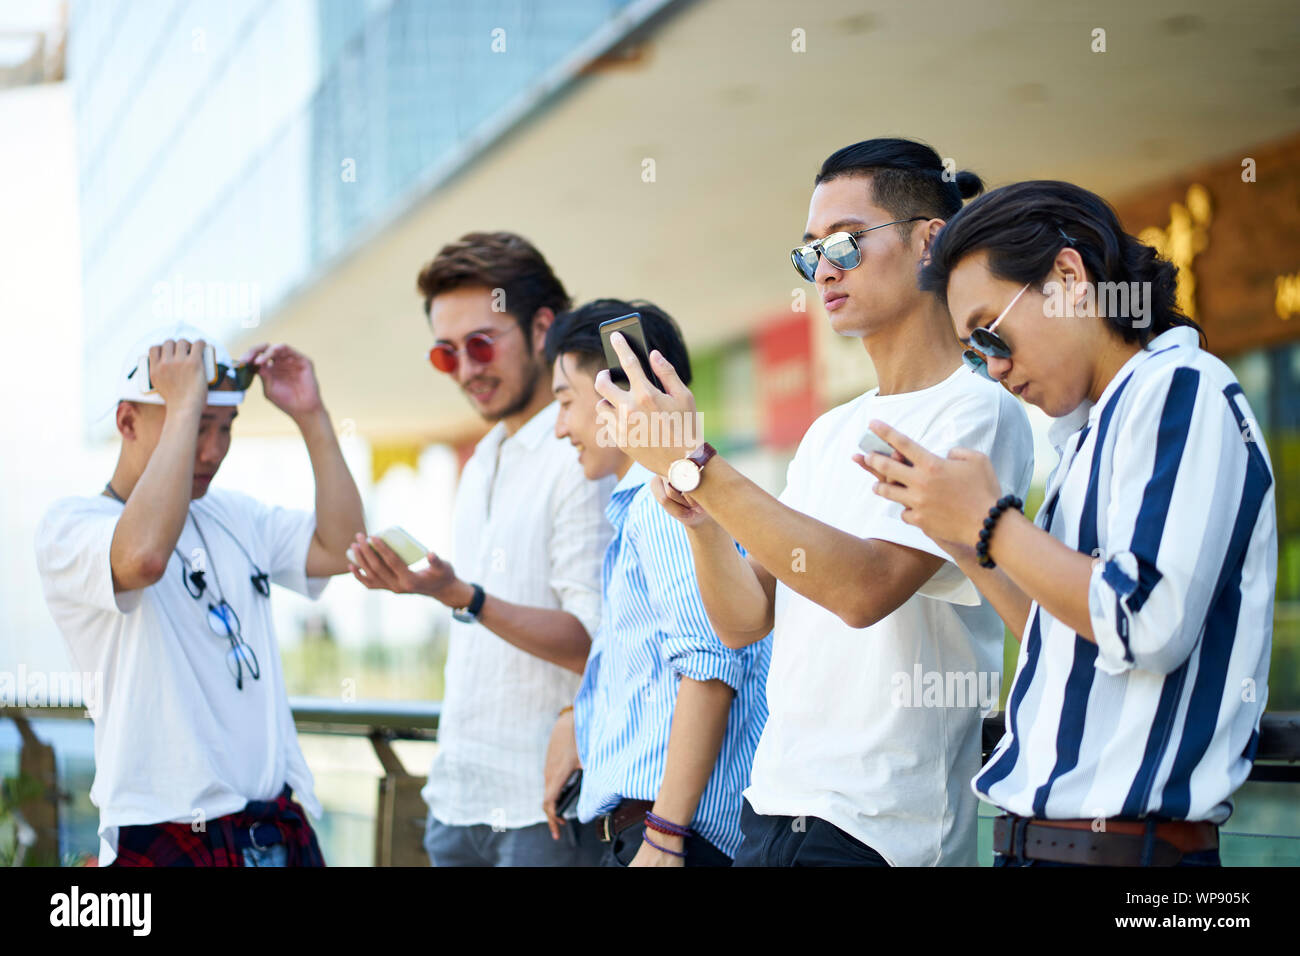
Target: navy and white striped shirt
[1169, 484]
[654, 631]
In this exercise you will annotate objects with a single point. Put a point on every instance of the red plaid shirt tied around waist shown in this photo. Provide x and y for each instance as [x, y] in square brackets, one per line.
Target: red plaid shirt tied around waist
[221, 843]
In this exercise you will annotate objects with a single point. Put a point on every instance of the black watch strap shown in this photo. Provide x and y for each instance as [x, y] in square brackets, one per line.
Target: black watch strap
[475, 604]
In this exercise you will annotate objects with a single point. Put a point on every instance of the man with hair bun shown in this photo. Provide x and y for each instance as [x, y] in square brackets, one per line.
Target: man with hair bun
[852, 768]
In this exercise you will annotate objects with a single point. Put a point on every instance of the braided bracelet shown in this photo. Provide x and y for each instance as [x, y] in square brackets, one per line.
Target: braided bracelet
[986, 533]
[662, 849]
[666, 826]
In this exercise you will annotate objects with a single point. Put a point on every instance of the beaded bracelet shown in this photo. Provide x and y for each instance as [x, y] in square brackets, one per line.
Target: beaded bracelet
[986, 533]
[662, 849]
[666, 826]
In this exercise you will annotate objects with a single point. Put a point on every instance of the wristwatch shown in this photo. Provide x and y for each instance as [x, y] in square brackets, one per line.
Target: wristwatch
[469, 613]
[685, 473]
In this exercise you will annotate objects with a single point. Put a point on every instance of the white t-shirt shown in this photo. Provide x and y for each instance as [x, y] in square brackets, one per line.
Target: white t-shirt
[877, 729]
[174, 739]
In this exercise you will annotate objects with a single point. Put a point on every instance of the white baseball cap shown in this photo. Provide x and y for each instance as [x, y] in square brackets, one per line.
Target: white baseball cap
[134, 378]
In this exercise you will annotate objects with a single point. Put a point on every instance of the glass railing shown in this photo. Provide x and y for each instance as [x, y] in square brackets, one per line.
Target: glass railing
[370, 758]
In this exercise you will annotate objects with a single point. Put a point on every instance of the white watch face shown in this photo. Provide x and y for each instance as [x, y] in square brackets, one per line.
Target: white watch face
[684, 475]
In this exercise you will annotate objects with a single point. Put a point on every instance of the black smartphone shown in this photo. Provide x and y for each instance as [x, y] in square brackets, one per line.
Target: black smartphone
[568, 793]
[630, 326]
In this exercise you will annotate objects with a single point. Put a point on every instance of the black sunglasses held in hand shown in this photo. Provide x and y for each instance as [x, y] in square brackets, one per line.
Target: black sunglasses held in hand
[236, 378]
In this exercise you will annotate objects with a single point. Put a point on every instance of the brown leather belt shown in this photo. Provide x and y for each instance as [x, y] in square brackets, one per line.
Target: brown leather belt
[1120, 843]
[629, 813]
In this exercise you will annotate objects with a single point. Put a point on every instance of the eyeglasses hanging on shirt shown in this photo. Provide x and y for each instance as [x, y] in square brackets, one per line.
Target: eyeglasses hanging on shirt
[222, 619]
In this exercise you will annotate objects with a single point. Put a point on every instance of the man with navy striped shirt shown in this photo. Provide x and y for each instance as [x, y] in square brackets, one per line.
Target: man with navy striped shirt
[1160, 716]
[1143, 592]
[667, 718]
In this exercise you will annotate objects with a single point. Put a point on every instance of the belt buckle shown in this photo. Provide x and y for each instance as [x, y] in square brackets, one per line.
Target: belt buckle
[1016, 827]
[606, 828]
[252, 838]
[1020, 837]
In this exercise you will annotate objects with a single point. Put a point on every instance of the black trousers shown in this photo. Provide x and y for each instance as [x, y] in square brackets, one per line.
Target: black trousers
[626, 843]
[799, 841]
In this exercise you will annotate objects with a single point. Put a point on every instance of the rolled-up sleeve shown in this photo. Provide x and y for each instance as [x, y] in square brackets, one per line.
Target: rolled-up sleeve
[689, 646]
[580, 533]
[1179, 472]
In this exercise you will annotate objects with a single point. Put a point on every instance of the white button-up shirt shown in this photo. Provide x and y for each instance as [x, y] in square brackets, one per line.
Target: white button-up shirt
[530, 529]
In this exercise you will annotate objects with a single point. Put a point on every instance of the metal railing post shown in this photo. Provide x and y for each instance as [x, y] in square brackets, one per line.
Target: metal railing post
[399, 811]
[37, 816]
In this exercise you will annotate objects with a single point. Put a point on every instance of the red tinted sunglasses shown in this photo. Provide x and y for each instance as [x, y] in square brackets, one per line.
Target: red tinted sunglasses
[478, 346]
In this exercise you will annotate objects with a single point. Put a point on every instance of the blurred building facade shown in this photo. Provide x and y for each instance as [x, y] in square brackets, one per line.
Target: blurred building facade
[280, 169]
[283, 169]
[229, 151]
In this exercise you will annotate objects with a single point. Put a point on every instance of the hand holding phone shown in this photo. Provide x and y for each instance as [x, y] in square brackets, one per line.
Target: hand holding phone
[871, 442]
[630, 326]
[568, 793]
[403, 544]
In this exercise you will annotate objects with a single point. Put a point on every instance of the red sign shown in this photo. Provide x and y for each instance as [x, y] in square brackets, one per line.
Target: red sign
[784, 349]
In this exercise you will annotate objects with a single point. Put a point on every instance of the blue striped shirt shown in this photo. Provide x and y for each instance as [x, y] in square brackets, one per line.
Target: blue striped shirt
[1168, 484]
[654, 631]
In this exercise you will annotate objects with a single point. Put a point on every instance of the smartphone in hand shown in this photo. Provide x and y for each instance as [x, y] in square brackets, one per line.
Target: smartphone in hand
[403, 544]
[630, 326]
[872, 442]
[568, 793]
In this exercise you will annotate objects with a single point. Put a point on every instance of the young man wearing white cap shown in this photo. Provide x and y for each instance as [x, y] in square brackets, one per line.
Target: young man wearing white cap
[163, 588]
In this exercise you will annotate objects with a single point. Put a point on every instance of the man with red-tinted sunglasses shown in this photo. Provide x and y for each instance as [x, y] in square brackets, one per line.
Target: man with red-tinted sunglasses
[530, 532]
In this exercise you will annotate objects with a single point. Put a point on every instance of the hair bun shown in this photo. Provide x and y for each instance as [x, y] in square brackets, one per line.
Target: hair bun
[968, 184]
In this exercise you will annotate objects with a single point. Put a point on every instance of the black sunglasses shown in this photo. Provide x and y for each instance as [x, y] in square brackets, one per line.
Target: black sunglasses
[840, 249]
[987, 343]
[235, 377]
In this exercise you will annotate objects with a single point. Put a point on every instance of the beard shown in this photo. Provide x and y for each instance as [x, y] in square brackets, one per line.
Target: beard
[522, 398]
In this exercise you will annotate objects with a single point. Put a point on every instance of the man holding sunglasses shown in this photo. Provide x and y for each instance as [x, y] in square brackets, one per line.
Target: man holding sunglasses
[162, 586]
[530, 532]
[850, 770]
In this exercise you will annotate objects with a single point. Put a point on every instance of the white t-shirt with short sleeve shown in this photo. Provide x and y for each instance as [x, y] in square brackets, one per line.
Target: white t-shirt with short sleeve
[877, 729]
[175, 740]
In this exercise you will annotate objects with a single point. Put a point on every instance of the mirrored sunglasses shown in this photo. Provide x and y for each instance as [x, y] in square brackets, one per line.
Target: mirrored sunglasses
[840, 249]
